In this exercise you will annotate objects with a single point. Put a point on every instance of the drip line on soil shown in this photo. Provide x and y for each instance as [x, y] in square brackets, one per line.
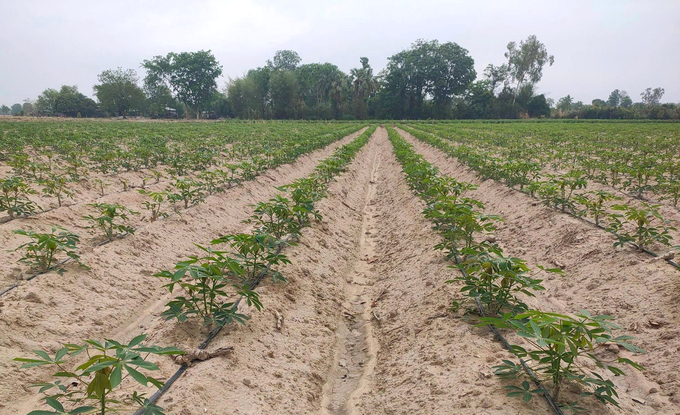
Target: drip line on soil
[211, 336]
[507, 345]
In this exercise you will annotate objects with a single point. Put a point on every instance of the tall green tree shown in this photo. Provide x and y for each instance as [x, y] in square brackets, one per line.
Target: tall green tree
[651, 97]
[497, 75]
[614, 99]
[118, 92]
[285, 60]
[5, 110]
[427, 69]
[284, 91]
[626, 101]
[526, 61]
[565, 103]
[192, 76]
[71, 103]
[28, 108]
[364, 87]
[16, 109]
[46, 102]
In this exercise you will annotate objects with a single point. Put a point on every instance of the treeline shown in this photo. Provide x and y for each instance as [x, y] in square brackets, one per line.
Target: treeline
[430, 80]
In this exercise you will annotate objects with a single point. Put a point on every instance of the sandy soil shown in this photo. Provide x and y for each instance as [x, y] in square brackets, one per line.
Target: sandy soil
[642, 294]
[365, 323]
[117, 296]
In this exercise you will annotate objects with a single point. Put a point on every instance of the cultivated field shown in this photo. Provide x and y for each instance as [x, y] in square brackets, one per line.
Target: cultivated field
[339, 268]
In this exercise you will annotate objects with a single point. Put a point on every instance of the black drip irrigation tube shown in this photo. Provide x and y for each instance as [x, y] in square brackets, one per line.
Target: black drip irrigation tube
[506, 344]
[211, 336]
[526, 367]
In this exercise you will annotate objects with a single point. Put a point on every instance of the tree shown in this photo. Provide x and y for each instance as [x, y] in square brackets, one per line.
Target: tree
[118, 91]
[614, 99]
[427, 69]
[452, 73]
[28, 108]
[285, 60]
[651, 96]
[478, 102]
[71, 103]
[526, 62]
[497, 75]
[626, 101]
[597, 102]
[190, 75]
[16, 109]
[538, 106]
[285, 95]
[5, 110]
[364, 86]
[565, 103]
[45, 103]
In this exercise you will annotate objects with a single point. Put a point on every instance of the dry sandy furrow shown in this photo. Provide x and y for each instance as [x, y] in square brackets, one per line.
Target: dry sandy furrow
[641, 294]
[365, 329]
[428, 362]
[118, 291]
[283, 372]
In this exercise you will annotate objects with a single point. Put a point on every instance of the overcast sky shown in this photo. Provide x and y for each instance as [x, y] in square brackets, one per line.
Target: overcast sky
[598, 45]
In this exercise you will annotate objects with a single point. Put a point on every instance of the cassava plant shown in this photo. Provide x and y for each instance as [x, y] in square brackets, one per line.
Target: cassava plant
[102, 184]
[595, 203]
[14, 197]
[648, 225]
[56, 185]
[204, 282]
[496, 279]
[275, 217]
[257, 253]
[188, 191]
[560, 345]
[112, 219]
[155, 205]
[43, 248]
[91, 388]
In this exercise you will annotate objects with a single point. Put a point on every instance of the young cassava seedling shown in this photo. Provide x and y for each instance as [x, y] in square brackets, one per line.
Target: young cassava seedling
[112, 219]
[560, 344]
[14, 197]
[649, 226]
[91, 387]
[43, 247]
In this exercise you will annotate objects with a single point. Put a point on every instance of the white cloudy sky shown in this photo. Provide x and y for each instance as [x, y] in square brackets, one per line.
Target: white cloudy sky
[598, 45]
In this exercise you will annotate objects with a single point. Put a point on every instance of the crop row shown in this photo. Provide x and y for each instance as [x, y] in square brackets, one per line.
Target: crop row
[559, 345]
[205, 284]
[56, 182]
[641, 225]
[639, 159]
[112, 220]
[54, 160]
